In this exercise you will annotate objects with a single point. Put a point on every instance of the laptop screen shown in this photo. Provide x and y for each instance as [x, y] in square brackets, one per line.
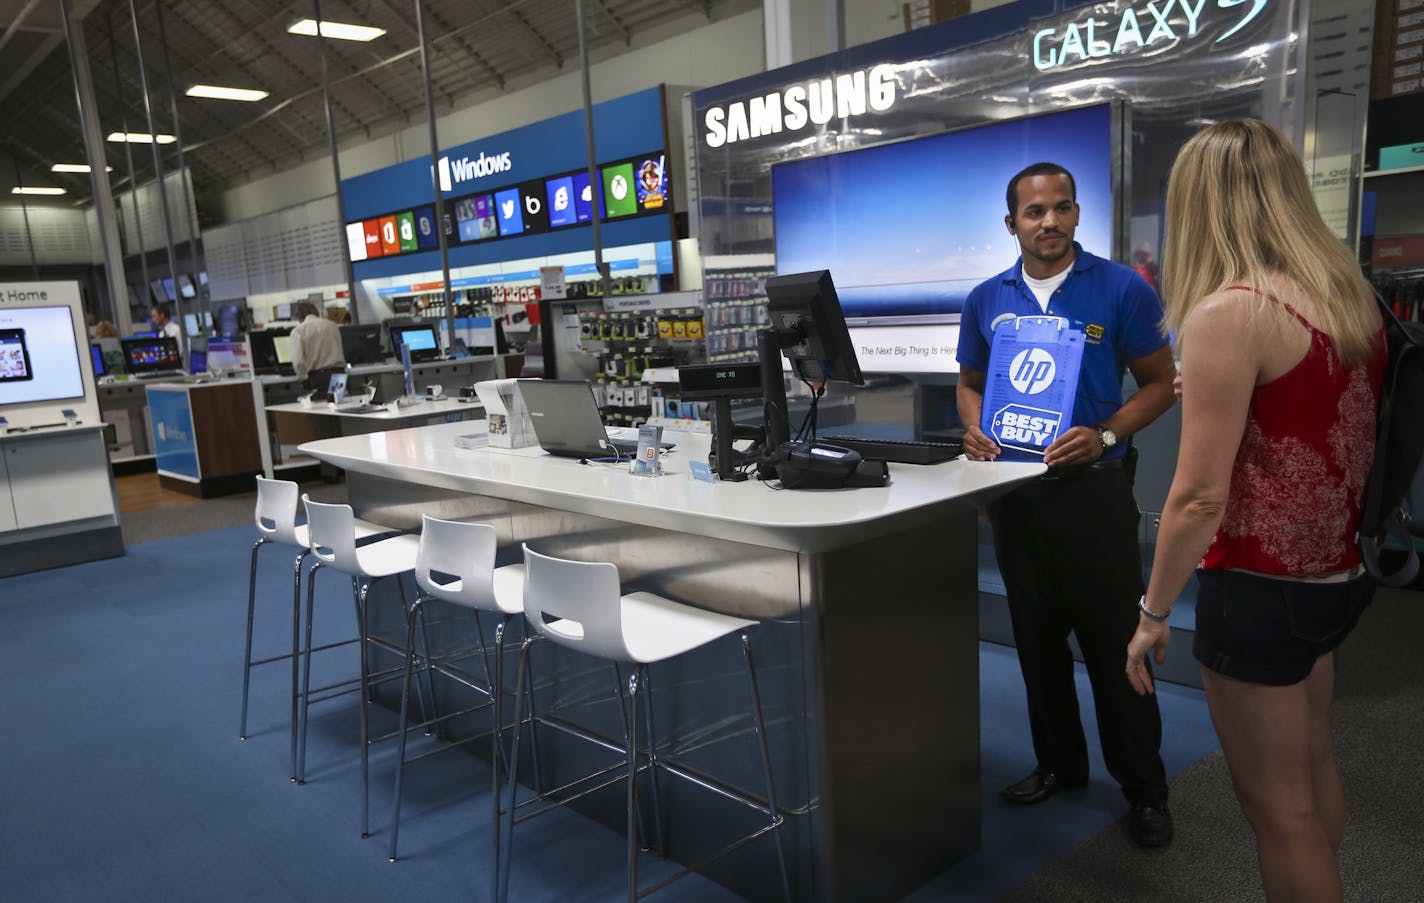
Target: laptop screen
[566, 418]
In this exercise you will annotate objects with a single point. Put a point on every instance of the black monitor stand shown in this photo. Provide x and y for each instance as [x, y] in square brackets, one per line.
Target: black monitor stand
[776, 418]
[722, 434]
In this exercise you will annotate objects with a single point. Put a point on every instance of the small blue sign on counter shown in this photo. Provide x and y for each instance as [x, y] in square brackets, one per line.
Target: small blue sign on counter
[174, 446]
[1032, 382]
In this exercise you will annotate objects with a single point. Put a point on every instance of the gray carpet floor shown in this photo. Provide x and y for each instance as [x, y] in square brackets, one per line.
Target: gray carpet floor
[1378, 721]
[1379, 735]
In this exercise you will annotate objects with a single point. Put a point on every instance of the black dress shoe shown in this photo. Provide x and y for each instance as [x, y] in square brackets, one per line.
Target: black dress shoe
[1150, 826]
[1037, 787]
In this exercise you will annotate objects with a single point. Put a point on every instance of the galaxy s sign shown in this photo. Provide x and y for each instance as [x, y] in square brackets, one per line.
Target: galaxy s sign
[1152, 23]
[463, 169]
[797, 106]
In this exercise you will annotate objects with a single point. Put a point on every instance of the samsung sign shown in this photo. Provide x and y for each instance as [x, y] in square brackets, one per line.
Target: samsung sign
[792, 109]
[1139, 26]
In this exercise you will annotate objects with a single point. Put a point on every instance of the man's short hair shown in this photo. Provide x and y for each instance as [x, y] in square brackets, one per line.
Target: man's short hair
[302, 309]
[1037, 169]
[161, 309]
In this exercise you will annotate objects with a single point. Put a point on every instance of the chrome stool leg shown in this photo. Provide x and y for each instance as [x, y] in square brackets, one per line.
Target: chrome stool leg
[416, 611]
[660, 845]
[247, 653]
[296, 646]
[366, 691]
[633, 786]
[306, 678]
[760, 724]
[521, 689]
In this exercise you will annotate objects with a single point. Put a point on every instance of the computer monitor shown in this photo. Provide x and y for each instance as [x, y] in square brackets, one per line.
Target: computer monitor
[232, 320]
[281, 311]
[361, 343]
[96, 353]
[421, 339]
[197, 362]
[266, 355]
[807, 322]
[282, 342]
[156, 355]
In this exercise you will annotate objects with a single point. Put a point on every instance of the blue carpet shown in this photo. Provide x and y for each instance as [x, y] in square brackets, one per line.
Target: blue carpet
[122, 778]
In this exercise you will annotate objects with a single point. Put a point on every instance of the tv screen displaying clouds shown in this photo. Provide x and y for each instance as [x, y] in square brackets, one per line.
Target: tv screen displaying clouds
[909, 228]
[632, 187]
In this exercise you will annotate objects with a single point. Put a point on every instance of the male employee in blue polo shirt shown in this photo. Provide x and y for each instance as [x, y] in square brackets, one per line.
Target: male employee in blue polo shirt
[1067, 542]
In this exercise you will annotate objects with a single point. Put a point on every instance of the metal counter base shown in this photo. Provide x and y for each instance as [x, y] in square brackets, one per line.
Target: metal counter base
[867, 657]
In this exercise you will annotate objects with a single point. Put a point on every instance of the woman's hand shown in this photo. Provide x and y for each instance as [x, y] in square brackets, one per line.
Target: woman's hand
[1150, 636]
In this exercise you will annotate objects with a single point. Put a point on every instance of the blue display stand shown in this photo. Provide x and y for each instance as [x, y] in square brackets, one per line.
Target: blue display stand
[1032, 383]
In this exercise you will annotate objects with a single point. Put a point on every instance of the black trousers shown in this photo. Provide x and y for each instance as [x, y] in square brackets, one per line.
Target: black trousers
[1067, 548]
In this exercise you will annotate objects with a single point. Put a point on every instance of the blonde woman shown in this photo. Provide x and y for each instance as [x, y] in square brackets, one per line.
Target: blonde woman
[1282, 356]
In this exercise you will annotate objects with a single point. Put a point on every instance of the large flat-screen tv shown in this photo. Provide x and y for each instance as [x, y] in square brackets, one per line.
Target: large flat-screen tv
[907, 229]
[38, 358]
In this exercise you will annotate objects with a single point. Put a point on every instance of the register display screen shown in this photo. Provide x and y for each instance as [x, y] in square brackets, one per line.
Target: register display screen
[38, 358]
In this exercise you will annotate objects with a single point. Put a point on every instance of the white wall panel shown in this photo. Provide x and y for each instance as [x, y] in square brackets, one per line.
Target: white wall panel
[60, 235]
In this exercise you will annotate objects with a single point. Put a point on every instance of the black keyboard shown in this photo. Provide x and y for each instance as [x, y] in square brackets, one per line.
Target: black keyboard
[898, 451]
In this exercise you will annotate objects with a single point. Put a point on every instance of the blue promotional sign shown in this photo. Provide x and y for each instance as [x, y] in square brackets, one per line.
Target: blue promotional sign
[1032, 382]
[175, 449]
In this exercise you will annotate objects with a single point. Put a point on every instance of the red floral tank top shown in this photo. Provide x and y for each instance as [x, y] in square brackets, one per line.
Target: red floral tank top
[1299, 476]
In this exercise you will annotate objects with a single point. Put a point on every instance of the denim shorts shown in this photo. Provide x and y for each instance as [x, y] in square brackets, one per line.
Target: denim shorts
[1269, 631]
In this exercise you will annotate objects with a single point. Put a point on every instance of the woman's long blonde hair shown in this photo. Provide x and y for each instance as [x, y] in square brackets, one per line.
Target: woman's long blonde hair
[1239, 209]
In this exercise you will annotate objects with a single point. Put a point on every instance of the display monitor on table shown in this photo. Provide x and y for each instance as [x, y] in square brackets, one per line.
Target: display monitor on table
[96, 354]
[232, 320]
[146, 357]
[419, 337]
[361, 343]
[271, 351]
[282, 343]
[720, 384]
[281, 311]
[197, 362]
[38, 358]
[810, 328]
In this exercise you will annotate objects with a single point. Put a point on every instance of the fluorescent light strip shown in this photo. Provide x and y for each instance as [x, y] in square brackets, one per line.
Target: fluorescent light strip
[76, 167]
[217, 92]
[338, 30]
[23, 189]
[140, 138]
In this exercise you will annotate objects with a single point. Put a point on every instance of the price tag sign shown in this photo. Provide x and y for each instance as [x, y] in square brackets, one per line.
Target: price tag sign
[551, 283]
[1032, 382]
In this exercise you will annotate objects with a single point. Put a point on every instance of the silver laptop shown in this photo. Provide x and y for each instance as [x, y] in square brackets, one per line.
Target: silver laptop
[567, 421]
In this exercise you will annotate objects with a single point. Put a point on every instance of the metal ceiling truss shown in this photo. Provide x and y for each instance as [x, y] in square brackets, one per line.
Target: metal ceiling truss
[477, 47]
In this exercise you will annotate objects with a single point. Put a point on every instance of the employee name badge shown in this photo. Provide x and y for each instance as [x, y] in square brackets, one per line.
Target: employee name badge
[1032, 382]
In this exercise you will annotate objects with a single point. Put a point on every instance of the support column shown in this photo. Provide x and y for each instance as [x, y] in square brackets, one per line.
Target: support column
[98, 171]
[353, 306]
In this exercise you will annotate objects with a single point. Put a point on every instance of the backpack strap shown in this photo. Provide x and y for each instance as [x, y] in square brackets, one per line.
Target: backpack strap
[1375, 522]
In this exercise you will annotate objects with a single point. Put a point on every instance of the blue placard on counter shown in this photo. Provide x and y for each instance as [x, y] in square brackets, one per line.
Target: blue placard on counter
[1032, 382]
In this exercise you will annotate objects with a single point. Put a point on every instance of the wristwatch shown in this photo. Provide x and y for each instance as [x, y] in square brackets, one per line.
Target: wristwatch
[1107, 437]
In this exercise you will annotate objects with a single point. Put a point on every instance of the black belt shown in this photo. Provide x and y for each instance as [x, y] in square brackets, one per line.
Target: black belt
[1074, 471]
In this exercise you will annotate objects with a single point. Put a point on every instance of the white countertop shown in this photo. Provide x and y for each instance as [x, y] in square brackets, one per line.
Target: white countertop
[750, 511]
[408, 412]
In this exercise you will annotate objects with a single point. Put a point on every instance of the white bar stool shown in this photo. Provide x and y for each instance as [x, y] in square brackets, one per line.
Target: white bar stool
[276, 519]
[332, 535]
[456, 564]
[581, 605]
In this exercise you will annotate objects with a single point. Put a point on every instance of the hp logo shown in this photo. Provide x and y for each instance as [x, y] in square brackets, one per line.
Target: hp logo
[1032, 371]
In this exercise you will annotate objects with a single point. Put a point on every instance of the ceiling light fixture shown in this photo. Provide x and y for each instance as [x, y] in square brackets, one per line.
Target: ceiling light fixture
[140, 138]
[76, 167]
[34, 189]
[217, 92]
[338, 30]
